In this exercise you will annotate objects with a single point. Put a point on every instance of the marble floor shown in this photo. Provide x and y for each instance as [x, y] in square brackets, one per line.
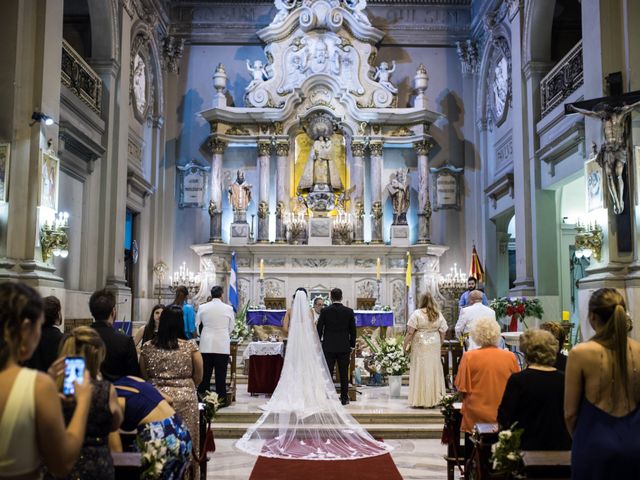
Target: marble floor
[415, 458]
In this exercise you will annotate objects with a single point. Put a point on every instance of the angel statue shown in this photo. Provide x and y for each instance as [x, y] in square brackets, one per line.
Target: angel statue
[383, 73]
[258, 72]
[357, 9]
[283, 7]
[398, 189]
[344, 197]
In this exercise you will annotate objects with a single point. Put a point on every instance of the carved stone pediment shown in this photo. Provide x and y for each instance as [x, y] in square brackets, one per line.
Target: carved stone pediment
[501, 187]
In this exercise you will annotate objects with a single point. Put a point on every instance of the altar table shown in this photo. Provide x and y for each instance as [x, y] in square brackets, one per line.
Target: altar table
[373, 318]
[265, 317]
[265, 364]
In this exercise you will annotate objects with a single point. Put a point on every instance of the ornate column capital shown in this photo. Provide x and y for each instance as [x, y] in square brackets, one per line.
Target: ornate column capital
[216, 146]
[282, 149]
[469, 56]
[423, 147]
[264, 149]
[357, 149]
[376, 149]
[172, 50]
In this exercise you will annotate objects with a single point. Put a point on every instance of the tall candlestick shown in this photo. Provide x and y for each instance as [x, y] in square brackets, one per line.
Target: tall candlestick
[261, 268]
[378, 269]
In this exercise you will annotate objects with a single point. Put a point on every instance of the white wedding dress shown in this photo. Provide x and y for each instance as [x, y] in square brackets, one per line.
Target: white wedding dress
[304, 419]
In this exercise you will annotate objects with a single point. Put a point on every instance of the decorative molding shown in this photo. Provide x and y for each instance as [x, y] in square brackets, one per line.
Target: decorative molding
[282, 149]
[423, 147]
[80, 78]
[357, 149]
[264, 149]
[563, 79]
[501, 187]
[469, 56]
[138, 188]
[216, 146]
[375, 148]
[172, 50]
[504, 153]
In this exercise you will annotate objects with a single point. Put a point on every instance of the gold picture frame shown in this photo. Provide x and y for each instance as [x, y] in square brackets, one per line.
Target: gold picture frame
[49, 180]
[5, 163]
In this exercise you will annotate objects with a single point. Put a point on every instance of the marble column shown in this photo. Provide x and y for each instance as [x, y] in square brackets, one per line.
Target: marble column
[36, 26]
[357, 170]
[264, 151]
[282, 198]
[424, 203]
[216, 147]
[375, 149]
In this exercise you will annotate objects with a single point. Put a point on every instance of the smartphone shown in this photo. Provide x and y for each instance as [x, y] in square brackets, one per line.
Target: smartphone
[73, 372]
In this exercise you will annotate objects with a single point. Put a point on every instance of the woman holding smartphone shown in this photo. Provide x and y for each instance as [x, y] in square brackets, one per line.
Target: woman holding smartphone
[31, 422]
[105, 414]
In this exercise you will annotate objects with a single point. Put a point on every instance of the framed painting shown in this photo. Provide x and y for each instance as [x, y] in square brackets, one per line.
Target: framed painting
[49, 180]
[5, 156]
[595, 185]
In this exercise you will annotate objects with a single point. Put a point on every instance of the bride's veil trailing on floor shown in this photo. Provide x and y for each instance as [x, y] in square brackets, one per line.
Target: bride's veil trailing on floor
[304, 418]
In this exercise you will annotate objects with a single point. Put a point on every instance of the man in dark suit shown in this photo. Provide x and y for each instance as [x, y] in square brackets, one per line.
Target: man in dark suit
[337, 330]
[121, 359]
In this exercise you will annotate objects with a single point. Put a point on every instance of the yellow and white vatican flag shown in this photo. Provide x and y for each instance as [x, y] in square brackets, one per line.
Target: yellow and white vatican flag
[410, 301]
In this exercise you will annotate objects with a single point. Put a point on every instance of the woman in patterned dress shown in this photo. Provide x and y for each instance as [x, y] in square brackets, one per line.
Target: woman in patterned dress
[174, 366]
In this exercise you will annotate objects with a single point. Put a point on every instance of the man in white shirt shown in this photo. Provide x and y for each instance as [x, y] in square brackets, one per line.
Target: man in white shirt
[474, 310]
[217, 319]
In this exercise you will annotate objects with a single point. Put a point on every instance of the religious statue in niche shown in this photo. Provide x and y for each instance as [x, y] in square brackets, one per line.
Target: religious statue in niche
[613, 152]
[240, 197]
[383, 72]
[139, 83]
[500, 86]
[258, 72]
[398, 189]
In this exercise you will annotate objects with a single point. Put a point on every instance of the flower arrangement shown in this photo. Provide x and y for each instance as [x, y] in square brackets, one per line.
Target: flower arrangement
[390, 357]
[505, 454]
[517, 308]
[241, 330]
[158, 451]
[446, 404]
[211, 405]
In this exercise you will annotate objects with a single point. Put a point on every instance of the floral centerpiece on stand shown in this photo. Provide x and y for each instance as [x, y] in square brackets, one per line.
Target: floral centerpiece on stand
[390, 357]
[506, 458]
[517, 308]
[241, 330]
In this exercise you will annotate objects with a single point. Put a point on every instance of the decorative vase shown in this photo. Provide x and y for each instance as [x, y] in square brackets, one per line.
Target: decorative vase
[395, 383]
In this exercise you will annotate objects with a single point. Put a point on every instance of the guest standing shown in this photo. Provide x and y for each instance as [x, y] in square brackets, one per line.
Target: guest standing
[475, 309]
[121, 357]
[50, 338]
[483, 374]
[174, 366]
[218, 321]
[602, 392]
[32, 431]
[425, 334]
[148, 332]
[534, 397]
[182, 294]
[105, 414]
[559, 333]
[148, 412]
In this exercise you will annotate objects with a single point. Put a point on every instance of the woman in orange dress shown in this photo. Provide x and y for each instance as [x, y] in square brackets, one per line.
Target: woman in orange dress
[483, 374]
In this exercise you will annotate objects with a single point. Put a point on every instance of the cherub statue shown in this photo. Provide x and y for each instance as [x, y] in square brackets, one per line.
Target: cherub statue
[283, 7]
[357, 9]
[383, 73]
[258, 72]
[344, 197]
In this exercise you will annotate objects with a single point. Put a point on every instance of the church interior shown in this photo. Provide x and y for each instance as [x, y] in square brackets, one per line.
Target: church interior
[388, 148]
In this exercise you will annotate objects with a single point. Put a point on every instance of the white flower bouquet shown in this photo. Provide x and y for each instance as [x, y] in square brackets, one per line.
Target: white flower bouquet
[211, 405]
[390, 357]
[505, 454]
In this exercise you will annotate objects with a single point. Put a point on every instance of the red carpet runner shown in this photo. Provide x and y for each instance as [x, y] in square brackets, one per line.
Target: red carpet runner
[372, 468]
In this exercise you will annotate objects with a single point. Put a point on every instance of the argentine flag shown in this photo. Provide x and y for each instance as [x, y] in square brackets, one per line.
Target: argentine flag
[233, 283]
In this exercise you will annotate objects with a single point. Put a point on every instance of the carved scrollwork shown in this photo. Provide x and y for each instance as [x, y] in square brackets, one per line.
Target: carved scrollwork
[402, 132]
[238, 130]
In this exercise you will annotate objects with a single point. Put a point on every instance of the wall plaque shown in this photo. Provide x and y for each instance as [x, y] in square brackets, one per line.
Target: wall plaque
[446, 187]
[193, 185]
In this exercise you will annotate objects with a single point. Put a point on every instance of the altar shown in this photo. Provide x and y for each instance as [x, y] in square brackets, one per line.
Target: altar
[364, 318]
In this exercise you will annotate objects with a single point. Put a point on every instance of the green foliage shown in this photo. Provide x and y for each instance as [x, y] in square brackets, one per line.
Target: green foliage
[505, 455]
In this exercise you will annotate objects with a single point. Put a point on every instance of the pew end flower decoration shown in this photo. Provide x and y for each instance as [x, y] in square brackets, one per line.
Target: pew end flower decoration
[212, 404]
[506, 457]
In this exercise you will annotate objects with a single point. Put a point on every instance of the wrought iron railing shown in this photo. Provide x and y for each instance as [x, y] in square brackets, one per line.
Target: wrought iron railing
[80, 78]
[563, 79]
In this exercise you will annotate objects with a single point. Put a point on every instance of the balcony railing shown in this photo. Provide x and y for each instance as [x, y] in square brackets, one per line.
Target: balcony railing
[563, 79]
[80, 78]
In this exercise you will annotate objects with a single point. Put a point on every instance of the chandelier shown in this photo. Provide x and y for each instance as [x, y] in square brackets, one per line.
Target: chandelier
[342, 228]
[185, 277]
[295, 225]
[454, 283]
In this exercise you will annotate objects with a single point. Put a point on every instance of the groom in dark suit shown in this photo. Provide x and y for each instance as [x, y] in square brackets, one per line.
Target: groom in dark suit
[337, 330]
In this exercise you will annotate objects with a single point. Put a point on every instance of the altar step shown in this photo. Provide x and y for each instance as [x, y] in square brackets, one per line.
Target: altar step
[242, 379]
[421, 424]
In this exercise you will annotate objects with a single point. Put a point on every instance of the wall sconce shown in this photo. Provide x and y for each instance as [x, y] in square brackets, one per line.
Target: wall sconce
[54, 238]
[41, 117]
[589, 240]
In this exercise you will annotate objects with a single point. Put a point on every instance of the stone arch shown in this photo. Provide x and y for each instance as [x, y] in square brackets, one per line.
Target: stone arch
[103, 16]
[142, 34]
[537, 30]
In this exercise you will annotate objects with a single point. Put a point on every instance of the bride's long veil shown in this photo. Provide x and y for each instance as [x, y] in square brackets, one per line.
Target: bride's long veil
[304, 419]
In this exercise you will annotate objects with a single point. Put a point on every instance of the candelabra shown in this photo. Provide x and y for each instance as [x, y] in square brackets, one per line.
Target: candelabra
[342, 228]
[453, 284]
[589, 240]
[160, 270]
[262, 305]
[295, 226]
[54, 238]
[185, 277]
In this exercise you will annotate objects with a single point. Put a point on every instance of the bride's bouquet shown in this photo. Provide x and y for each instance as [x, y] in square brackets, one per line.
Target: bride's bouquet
[390, 357]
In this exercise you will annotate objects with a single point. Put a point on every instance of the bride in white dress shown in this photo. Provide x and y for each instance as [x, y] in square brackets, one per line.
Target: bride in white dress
[304, 419]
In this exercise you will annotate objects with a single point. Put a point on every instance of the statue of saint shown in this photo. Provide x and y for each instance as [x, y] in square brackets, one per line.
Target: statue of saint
[239, 197]
[613, 152]
[139, 83]
[320, 168]
[398, 189]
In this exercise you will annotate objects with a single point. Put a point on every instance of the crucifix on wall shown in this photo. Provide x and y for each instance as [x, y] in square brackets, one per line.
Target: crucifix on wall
[613, 112]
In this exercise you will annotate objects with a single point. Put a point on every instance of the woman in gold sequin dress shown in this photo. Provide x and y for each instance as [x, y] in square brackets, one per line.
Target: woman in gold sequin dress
[425, 333]
[174, 366]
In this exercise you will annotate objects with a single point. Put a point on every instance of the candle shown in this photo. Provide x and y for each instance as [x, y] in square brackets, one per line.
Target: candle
[378, 269]
[261, 268]
[565, 315]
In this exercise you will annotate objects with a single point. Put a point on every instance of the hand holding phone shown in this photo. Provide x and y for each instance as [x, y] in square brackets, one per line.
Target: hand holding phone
[74, 368]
